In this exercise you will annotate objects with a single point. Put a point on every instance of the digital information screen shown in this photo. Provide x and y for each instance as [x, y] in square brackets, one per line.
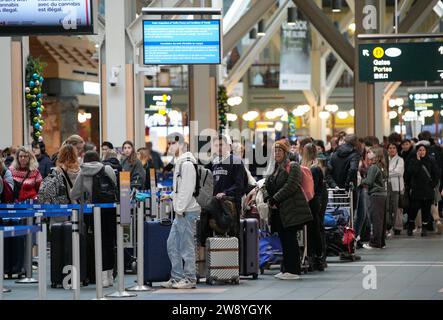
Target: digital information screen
[181, 42]
[55, 17]
[401, 61]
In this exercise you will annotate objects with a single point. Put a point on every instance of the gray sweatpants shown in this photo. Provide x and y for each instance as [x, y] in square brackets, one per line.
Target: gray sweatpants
[394, 213]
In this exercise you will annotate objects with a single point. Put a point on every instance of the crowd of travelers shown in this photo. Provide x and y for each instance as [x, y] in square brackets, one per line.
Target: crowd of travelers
[396, 186]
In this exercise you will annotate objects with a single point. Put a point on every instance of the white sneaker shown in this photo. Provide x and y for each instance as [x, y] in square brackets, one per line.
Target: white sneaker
[105, 280]
[289, 276]
[184, 284]
[111, 277]
[278, 275]
[168, 284]
[439, 226]
[367, 246]
[389, 234]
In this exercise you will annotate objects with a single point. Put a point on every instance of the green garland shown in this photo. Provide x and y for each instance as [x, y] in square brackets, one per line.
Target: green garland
[34, 82]
[292, 128]
[223, 108]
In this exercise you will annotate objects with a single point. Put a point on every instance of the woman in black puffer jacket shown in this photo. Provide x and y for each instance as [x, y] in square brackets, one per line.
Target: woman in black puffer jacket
[421, 177]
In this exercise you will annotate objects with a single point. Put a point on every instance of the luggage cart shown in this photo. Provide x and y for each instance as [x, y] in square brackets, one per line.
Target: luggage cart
[343, 199]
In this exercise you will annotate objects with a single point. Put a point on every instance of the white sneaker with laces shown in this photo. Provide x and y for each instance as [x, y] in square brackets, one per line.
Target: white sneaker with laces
[278, 275]
[289, 276]
[184, 284]
[168, 284]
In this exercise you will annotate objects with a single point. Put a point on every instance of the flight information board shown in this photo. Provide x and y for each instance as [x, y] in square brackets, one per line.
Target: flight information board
[401, 61]
[55, 17]
[185, 42]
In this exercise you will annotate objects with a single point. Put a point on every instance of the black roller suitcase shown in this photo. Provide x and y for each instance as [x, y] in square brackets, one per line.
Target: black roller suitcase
[14, 252]
[249, 248]
[61, 254]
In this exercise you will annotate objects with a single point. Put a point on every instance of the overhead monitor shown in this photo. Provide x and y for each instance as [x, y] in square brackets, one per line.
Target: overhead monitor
[181, 42]
[47, 17]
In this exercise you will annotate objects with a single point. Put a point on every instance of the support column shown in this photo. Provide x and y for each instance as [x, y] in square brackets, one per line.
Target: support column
[202, 102]
[118, 106]
[12, 60]
[382, 122]
[367, 22]
[6, 93]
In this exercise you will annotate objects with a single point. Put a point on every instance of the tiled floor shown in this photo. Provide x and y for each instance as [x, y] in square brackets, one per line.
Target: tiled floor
[409, 268]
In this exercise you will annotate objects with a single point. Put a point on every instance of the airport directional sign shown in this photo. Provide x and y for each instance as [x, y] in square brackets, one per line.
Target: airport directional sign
[415, 61]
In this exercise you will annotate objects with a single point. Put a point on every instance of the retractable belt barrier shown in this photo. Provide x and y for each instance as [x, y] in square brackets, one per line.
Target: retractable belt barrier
[11, 232]
[41, 212]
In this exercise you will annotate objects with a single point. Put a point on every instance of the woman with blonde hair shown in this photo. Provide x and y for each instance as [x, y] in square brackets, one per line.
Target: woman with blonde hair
[376, 181]
[27, 178]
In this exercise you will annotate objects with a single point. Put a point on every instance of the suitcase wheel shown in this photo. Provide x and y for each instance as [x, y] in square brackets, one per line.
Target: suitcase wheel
[255, 275]
[236, 281]
[210, 282]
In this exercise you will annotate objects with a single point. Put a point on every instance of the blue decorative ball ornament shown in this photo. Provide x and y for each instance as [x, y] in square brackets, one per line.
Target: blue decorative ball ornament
[35, 76]
[31, 83]
[36, 126]
[41, 79]
[39, 96]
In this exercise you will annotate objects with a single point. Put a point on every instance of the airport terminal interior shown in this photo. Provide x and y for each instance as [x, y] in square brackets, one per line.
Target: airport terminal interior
[221, 150]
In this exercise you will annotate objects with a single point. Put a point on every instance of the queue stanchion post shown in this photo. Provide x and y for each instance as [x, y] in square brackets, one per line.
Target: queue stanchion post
[42, 257]
[98, 253]
[121, 293]
[75, 254]
[28, 258]
[2, 264]
[140, 286]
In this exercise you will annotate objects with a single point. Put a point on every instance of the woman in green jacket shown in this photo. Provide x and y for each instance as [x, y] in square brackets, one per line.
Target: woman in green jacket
[289, 209]
[376, 181]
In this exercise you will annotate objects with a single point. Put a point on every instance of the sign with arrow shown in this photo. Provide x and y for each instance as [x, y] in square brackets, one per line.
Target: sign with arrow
[401, 61]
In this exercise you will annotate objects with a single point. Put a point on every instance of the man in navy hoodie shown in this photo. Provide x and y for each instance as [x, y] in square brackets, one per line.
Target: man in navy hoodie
[228, 172]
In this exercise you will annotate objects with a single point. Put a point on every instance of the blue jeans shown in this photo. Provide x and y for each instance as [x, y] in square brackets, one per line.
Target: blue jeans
[181, 246]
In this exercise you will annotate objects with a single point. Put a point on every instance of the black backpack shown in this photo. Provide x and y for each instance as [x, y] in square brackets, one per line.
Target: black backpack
[104, 189]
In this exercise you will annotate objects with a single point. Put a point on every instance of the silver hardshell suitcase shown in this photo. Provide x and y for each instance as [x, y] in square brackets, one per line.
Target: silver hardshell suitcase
[222, 260]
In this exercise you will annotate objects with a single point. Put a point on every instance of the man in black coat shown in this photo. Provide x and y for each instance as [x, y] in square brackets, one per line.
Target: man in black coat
[343, 166]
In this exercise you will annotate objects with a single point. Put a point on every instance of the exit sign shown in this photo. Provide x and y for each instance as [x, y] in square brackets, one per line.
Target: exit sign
[401, 61]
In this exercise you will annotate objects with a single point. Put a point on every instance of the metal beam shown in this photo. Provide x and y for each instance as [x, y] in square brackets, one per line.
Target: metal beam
[134, 30]
[416, 15]
[328, 31]
[334, 78]
[245, 24]
[235, 12]
[351, 5]
[242, 66]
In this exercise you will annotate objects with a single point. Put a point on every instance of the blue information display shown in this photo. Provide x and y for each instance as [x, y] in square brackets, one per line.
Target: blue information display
[181, 42]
